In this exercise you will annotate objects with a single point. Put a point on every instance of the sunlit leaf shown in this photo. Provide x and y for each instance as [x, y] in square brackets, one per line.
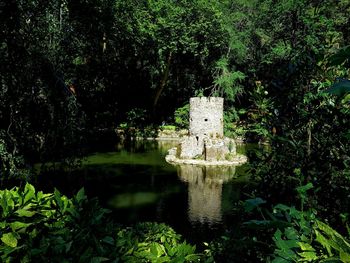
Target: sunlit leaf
[345, 257]
[25, 213]
[18, 225]
[9, 239]
[29, 193]
[306, 246]
[308, 255]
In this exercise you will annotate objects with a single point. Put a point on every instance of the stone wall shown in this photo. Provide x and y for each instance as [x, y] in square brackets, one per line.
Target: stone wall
[190, 147]
[206, 117]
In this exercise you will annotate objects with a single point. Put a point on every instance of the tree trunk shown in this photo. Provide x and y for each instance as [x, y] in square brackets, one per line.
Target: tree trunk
[309, 137]
[162, 83]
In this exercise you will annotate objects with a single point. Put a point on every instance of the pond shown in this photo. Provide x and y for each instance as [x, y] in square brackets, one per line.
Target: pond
[136, 184]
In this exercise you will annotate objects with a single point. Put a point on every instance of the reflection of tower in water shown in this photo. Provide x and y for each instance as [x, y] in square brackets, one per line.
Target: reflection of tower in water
[205, 191]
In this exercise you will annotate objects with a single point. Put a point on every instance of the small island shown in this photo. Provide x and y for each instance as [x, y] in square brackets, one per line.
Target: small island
[206, 144]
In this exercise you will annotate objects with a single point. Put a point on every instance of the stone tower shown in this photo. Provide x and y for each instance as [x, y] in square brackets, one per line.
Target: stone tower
[206, 143]
[206, 117]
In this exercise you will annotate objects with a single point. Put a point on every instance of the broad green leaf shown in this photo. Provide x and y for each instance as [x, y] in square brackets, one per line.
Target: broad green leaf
[6, 202]
[157, 249]
[306, 246]
[323, 241]
[340, 57]
[162, 259]
[192, 257]
[65, 203]
[29, 193]
[130, 251]
[18, 225]
[336, 240]
[108, 240]
[3, 204]
[251, 204]
[282, 207]
[308, 255]
[291, 233]
[340, 88]
[286, 254]
[25, 213]
[304, 188]
[81, 195]
[58, 199]
[345, 257]
[9, 239]
[68, 246]
[346, 99]
[286, 244]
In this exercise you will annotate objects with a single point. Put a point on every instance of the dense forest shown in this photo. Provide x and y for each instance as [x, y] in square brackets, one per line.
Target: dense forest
[74, 72]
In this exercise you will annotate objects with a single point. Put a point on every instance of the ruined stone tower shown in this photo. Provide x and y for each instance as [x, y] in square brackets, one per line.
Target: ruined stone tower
[206, 117]
[206, 143]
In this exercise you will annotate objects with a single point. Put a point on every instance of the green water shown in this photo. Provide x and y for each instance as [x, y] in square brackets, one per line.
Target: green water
[136, 184]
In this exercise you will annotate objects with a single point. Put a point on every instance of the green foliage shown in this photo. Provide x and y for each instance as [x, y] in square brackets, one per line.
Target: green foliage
[51, 227]
[340, 88]
[227, 82]
[341, 57]
[312, 139]
[182, 116]
[300, 236]
[136, 117]
[169, 37]
[305, 242]
[260, 113]
[230, 120]
[251, 204]
[25, 216]
[150, 242]
[11, 165]
[73, 68]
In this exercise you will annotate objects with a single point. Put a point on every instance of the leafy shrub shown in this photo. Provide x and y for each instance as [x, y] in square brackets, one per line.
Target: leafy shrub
[151, 242]
[12, 165]
[260, 113]
[38, 227]
[300, 236]
[50, 227]
[182, 116]
[136, 117]
[230, 119]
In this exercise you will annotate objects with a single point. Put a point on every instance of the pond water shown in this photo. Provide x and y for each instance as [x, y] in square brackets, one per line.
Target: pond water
[136, 184]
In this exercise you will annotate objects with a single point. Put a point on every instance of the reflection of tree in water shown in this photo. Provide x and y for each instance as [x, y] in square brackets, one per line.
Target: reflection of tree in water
[205, 191]
[140, 146]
